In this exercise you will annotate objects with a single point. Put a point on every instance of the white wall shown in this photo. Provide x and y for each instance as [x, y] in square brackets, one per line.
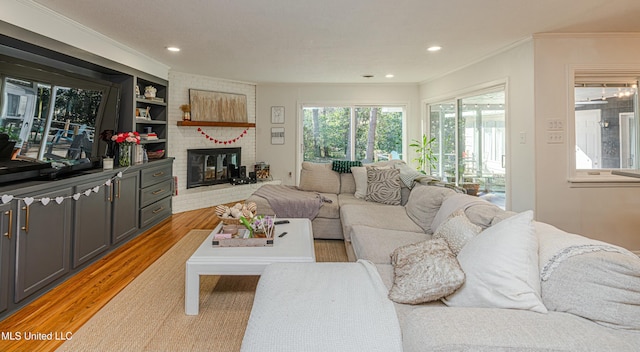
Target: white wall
[515, 68]
[607, 212]
[283, 158]
[183, 138]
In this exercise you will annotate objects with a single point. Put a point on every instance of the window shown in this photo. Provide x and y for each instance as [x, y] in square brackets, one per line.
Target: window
[470, 142]
[366, 133]
[606, 123]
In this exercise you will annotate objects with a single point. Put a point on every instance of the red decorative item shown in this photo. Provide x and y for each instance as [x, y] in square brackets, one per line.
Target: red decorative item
[230, 141]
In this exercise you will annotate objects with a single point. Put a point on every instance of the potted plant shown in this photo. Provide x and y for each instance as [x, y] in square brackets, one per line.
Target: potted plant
[425, 158]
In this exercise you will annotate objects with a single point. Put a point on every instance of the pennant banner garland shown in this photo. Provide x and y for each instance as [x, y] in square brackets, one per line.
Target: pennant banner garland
[6, 198]
[219, 141]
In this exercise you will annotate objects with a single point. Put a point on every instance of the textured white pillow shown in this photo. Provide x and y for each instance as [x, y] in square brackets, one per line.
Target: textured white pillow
[423, 272]
[501, 266]
[457, 230]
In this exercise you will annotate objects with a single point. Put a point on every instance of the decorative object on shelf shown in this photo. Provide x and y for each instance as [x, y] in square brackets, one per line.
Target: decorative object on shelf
[107, 163]
[150, 92]
[155, 154]
[219, 141]
[277, 135]
[261, 170]
[143, 113]
[6, 198]
[277, 114]
[232, 215]
[217, 106]
[125, 140]
[186, 112]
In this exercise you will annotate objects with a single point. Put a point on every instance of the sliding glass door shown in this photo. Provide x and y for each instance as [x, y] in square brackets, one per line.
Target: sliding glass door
[470, 143]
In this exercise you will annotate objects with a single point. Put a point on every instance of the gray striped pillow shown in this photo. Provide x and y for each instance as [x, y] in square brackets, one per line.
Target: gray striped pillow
[383, 186]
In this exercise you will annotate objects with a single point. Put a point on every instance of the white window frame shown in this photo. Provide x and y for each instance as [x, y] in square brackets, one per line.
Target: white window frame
[406, 106]
[592, 177]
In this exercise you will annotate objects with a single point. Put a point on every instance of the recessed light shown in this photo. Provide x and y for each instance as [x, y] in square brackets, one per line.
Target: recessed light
[368, 76]
[434, 48]
[389, 75]
[173, 48]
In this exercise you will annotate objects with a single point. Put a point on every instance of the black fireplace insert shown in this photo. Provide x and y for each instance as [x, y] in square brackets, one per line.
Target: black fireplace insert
[212, 166]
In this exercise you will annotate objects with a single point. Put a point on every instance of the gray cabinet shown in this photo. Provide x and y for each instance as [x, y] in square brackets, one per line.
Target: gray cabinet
[125, 206]
[7, 233]
[43, 242]
[156, 188]
[92, 221]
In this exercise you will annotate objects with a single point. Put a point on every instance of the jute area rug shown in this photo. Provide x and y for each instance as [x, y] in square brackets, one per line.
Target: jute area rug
[148, 315]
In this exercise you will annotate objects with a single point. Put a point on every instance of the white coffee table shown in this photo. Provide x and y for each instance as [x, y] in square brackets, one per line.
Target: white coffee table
[295, 246]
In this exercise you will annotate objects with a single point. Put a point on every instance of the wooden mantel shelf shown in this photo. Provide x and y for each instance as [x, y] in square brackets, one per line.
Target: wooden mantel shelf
[216, 124]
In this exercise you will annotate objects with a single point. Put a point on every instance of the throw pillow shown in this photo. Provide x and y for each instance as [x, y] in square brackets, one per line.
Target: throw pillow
[409, 175]
[423, 272]
[383, 186]
[318, 177]
[360, 177]
[344, 166]
[457, 230]
[501, 266]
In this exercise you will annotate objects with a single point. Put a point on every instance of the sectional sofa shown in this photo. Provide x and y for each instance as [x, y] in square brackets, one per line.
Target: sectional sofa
[465, 275]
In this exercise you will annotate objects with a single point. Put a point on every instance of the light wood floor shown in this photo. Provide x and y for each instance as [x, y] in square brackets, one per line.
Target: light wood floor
[68, 306]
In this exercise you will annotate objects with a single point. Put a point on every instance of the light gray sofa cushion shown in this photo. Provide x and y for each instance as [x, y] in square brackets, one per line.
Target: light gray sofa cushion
[477, 210]
[491, 329]
[376, 245]
[347, 183]
[423, 204]
[390, 217]
[600, 286]
[319, 178]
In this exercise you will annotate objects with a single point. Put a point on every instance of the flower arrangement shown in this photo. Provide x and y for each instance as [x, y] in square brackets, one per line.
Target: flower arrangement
[125, 140]
[130, 138]
[259, 226]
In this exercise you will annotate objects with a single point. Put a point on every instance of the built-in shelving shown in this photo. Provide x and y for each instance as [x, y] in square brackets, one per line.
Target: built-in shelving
[157, 108]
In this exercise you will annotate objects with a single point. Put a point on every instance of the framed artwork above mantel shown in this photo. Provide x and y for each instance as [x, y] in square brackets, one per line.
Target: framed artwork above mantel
[210, 106]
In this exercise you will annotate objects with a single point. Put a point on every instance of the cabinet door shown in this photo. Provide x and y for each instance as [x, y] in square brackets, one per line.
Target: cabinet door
[92, 222]
[44, 242]
[7, 233]
[126, 201]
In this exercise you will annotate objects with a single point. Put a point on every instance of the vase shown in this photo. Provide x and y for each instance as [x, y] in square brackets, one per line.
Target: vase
[124, 155]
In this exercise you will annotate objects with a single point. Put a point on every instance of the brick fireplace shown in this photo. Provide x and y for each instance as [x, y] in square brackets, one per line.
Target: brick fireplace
[212, 166]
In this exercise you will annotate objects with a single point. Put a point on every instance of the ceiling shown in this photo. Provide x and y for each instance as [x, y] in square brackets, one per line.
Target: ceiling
[336, 41]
